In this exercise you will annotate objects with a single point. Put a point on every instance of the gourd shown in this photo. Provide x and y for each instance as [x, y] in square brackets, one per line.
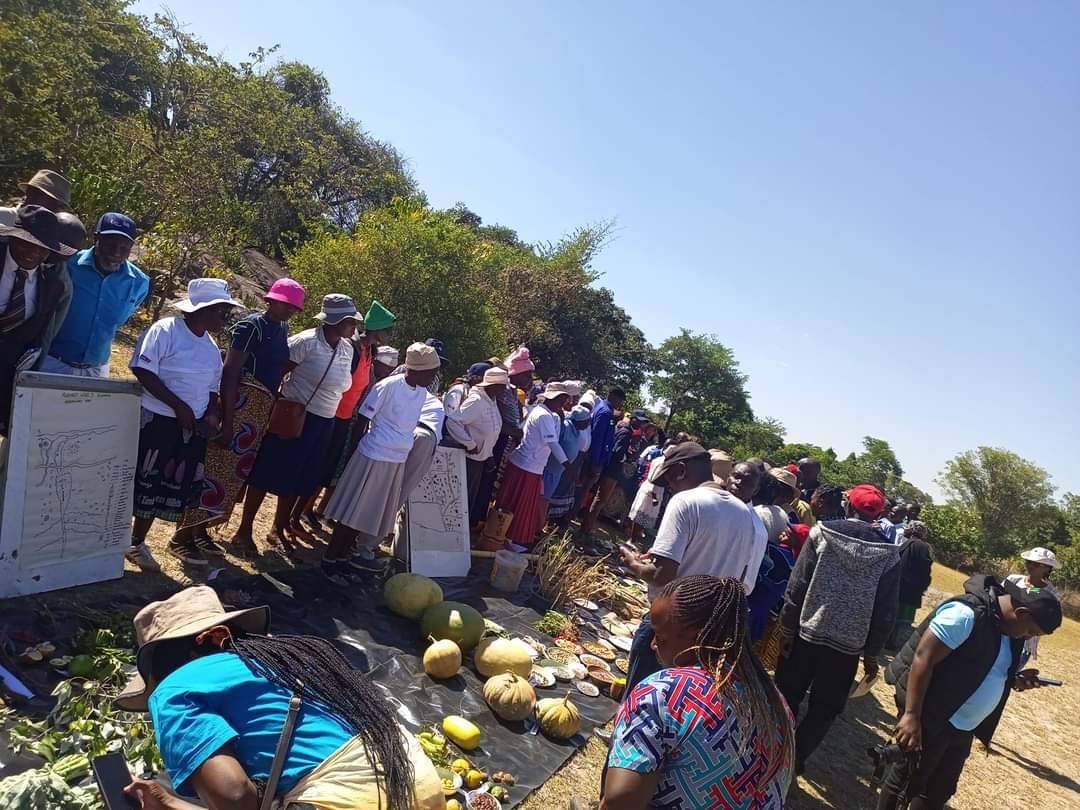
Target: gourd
[495, 656]
[43, 788]
[461, 732]
[509, 696]
[559, 719]
[455, 621]
[442, 659]
[409, 595]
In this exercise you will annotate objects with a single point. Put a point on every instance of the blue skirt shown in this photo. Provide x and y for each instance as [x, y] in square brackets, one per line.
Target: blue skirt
[293, 467]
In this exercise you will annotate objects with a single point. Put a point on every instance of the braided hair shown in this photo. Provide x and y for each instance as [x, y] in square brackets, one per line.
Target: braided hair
[717, 607]
[317, 671]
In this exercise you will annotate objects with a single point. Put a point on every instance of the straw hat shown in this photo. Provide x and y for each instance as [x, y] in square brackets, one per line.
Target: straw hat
[206, 292]
[421, 357]
[495, 376]
[786, 478]
[553, 390]
[182, 615]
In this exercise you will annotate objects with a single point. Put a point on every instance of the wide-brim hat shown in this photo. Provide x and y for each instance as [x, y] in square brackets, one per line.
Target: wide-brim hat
[785, 477]
[182, 615]
[553, 390]
[1043, 556]
[38, 226]
[51, 184]
[337, 308]
[206, 292]
[495, 376]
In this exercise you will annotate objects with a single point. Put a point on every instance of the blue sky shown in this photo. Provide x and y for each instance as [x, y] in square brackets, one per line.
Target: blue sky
[876, 207]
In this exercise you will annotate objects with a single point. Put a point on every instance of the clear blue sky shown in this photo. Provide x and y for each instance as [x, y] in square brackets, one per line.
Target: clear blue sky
[877, 207]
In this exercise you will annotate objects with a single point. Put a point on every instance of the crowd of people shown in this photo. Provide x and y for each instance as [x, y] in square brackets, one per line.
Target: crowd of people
[750, 567]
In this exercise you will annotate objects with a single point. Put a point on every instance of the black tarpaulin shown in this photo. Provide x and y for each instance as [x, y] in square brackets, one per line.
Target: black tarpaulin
[389, 648]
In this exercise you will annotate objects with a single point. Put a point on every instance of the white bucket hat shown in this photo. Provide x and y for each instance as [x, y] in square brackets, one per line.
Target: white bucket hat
[421, 357]
[206, 292]
[387, 355]
[555, 389]
[1043, 556]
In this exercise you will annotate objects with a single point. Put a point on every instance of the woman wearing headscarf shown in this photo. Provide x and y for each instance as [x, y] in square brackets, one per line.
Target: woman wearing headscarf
[522, 487]
[219, 690]
[711, 729]
[319, 372]
[254, 365]
[560, 483]
[475, 424]
[178, 365]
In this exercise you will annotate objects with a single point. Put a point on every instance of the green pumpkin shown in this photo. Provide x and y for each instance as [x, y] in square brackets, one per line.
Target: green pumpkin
[409, 595]
[455, 621]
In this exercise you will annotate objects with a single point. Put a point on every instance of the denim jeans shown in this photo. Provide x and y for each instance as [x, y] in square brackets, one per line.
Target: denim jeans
[643, 661]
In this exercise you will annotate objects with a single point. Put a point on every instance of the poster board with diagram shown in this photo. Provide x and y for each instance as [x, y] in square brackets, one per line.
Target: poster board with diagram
[433, 534]
[71, 452]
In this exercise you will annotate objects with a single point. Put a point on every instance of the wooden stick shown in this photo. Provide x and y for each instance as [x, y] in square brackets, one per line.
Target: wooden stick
[490, 555]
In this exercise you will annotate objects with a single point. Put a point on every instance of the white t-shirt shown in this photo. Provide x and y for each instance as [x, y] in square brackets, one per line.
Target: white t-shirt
[394, 407]
[774, 518]
[311, 353]
[476, 423]
[540, 440]
[707, 530]
[432, 415]
[188, 365]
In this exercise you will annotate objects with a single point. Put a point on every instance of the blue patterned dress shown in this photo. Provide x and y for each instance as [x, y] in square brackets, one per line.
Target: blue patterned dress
[675, 722]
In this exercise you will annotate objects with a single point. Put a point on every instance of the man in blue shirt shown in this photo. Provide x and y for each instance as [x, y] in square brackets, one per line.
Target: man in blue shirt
[952, 680]
[106, 291]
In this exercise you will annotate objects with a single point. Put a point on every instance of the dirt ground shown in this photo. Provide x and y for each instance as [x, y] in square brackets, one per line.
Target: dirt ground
[1031, 764]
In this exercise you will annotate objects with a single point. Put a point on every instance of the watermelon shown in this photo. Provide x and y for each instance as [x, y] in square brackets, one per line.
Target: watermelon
[455, 621]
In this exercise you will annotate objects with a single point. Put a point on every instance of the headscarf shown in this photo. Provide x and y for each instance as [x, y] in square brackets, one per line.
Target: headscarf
[519, 361]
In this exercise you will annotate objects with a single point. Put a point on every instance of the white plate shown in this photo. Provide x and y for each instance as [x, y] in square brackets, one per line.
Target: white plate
[585, 604]
[622, 642]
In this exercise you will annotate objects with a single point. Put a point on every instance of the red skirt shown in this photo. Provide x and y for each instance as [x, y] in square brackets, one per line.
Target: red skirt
[520, 493]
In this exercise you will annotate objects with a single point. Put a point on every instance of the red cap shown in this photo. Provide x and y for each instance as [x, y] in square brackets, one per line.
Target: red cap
[867, 500]
[802, 530]
[793, 469]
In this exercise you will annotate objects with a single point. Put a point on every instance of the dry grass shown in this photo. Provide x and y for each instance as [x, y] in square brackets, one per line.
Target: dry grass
[1034, 763]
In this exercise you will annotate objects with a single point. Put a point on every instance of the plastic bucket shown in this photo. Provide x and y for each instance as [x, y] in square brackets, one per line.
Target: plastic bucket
[507, 571]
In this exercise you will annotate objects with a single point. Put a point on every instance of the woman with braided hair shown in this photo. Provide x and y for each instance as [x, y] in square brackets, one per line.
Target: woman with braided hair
[710, 730]
[218, 690]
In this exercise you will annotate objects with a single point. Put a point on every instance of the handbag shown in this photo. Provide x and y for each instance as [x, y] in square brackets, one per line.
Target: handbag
[287, 416]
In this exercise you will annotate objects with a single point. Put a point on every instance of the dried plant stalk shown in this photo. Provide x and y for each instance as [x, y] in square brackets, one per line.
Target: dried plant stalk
[563, 574]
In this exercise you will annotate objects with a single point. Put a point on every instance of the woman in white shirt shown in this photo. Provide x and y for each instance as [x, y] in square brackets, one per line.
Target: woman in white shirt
[319, 371]
[476, 424]
[523, 482]
[179, 366]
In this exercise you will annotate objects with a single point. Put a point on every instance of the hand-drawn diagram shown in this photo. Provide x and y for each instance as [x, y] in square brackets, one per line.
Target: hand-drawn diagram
[438, 509]
[78, 496]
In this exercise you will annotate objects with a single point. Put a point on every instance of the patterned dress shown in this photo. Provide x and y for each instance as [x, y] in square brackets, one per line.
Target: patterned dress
[675, 722]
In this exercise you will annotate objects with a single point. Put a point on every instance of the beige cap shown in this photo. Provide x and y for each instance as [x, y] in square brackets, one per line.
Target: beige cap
[555, 389]
[722, 462]
[187, 613]
[421, 357]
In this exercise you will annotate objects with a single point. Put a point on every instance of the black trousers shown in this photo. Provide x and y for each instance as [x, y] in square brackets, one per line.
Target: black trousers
[931, 783]
[828, 675]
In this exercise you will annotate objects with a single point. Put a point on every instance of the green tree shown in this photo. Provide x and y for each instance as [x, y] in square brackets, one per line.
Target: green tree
[698, 380]
[762, 437]
[956, 534]
[1004, 490]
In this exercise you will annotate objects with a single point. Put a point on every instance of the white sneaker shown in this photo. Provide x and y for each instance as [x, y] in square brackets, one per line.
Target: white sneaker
[142, 557]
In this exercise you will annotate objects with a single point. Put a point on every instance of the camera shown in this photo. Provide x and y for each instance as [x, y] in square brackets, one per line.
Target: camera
[885, 755]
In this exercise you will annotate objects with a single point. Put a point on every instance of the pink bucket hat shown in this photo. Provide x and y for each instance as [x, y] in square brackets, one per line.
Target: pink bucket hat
[288, 291]
[519, 361]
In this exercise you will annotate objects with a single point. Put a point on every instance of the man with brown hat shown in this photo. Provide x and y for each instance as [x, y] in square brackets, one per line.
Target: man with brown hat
[46, 188]
[35, 293]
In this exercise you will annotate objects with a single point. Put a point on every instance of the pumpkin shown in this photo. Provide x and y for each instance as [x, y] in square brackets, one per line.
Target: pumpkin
[509, 696]
[455, 621]
[559, 719]
[442, 659]
[409, 595]
[495, 656]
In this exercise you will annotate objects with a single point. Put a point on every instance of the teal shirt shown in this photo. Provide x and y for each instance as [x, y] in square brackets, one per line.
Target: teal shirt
[216, 700]
[100, 304]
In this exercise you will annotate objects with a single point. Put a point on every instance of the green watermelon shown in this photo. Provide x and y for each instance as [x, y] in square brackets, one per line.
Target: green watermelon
[455, 621]
[409, 595]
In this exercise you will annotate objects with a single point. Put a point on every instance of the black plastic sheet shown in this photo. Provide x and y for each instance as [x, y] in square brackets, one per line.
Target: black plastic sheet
[389, 647]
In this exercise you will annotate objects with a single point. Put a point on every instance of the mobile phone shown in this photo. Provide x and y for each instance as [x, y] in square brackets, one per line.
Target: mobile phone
[1048, 681]
[112, 775]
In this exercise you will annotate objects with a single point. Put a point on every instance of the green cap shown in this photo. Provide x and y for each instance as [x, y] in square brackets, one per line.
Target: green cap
[378, 318]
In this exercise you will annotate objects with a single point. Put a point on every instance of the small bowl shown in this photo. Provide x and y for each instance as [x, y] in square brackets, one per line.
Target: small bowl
[569, 646]
[617, 688]
[447, 774]
[602, 678]
[470, 798]
[622, 664]
[542, 677]
[588, 689]
[563, 657]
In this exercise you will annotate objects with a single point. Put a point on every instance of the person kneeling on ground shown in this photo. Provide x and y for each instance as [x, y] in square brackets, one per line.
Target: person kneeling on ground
[219, 689]
[710, 730]
[953, 679]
